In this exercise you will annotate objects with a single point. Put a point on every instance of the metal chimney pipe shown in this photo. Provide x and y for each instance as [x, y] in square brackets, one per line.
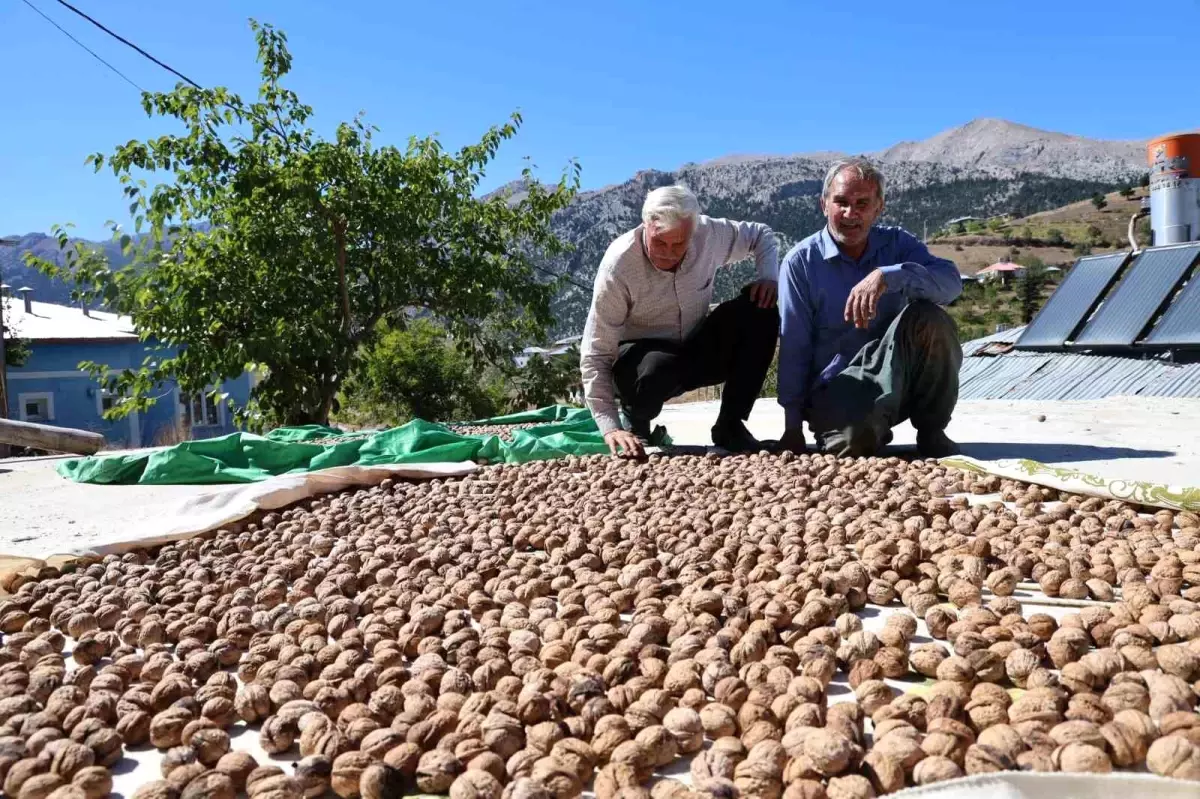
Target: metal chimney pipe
[27, 294]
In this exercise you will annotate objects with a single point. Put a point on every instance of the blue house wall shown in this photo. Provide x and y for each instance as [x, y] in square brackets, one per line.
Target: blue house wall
[52, 370]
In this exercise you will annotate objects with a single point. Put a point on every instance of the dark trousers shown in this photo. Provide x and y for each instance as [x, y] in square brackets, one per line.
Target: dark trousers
[911, 372]
[734, 345]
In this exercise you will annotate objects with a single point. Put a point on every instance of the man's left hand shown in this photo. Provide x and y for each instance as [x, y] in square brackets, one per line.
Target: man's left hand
[763, 293]
[863, 301]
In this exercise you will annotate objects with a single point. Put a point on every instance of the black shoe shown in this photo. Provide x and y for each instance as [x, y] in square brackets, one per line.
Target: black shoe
[933, 444]
[648, 437]
[734, 437]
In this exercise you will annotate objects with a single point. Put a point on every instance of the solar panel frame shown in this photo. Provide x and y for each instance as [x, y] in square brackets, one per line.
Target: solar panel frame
[1179, 327]
[1149, 281]
[1072, 302]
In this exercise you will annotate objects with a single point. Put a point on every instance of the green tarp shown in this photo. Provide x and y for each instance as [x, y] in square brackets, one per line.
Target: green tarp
[247, 458]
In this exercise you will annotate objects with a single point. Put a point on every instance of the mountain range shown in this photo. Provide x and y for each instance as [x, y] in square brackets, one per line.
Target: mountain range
[982, 168]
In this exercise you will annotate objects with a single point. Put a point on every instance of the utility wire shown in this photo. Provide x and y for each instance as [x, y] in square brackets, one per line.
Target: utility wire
[568, 278]
[125, 41]
[84, 46]
[185, 78]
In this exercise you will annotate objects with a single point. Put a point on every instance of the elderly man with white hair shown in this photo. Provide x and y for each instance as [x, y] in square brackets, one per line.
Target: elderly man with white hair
[650, 337]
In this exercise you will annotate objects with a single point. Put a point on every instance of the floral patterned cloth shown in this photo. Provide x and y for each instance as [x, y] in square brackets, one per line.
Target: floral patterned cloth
[1066, 479]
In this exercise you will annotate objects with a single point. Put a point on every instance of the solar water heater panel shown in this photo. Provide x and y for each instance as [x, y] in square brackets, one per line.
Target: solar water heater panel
[1180, 325]
[1071, 302]
[1152, 278]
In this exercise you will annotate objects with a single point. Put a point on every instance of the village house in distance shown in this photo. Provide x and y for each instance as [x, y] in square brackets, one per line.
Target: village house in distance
[50, 388]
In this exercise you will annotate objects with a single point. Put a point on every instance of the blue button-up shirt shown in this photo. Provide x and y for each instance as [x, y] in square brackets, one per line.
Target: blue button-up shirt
[815, 279]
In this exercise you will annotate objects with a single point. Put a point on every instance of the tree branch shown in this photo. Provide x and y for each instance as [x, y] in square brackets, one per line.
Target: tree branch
[339, 236]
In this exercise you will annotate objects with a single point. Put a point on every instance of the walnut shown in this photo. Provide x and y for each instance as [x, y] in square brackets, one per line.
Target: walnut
[956, 669]
[670, 789]
[983, 759]
[829, 752]
[847, 624]
[156, 789]
[558, 778]
[134, 727]
[210, 745]
[1004, 739]
[885, 773]
[873, 694]
[40, 786]
[936, 769]
[379, 781]
[211, 785]
[659, 743]
[1174, 756]
[718, 720]
[851, 786]
[1081, 757]
[349, 767]
[713, 763]
[166, 727]
[68, 757]
[759, 778]
[805, 789]
[1019, 664]
[863, 670]
[237, 767]
[276, 736]
[94, 781]
[175, 757]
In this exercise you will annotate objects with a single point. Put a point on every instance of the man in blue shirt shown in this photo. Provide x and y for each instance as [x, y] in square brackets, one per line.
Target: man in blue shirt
[863, 343]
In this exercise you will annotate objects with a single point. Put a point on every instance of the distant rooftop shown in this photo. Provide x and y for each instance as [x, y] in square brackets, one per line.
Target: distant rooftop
[51, 322]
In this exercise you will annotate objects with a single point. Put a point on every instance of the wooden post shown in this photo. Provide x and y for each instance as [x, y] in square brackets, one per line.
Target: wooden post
[47, 437]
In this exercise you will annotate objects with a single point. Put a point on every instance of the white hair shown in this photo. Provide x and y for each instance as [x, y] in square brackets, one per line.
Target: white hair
[861, 167]
[670, 205]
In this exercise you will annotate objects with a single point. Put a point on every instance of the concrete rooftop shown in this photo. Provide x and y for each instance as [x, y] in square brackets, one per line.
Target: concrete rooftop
[1150, 439]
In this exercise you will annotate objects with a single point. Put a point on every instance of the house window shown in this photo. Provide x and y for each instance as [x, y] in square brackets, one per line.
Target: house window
[36, 407]
[200, 409]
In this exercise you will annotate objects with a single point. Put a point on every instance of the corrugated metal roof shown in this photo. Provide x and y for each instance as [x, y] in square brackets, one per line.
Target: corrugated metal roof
[1018, 375]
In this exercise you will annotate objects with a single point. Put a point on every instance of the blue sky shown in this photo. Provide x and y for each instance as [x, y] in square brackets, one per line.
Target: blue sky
[621, 86]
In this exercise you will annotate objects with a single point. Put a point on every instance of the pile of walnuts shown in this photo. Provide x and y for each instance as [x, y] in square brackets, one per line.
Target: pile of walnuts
[502, 431]
[531, 631]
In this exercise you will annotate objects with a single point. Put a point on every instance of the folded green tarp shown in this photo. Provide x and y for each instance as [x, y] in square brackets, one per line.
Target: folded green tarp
[552, 413]
[247, 458]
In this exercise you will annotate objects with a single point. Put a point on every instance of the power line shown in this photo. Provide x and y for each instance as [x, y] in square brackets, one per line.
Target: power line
[84, 46]
[568, 278]
[125, 41]
[185, 78]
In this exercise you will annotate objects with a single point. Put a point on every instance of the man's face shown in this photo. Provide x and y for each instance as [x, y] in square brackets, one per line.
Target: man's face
[666, 247]
[851, 207]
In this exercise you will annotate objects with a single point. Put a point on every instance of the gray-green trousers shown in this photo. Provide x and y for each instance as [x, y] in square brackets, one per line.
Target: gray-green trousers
[911, 372]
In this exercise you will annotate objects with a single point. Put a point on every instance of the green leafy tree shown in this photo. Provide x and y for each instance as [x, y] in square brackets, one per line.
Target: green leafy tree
[1029, 289]
[1127, 192]
[1082, 248]
[416, 372]
[1144, 182]
[547, 381]
[274, 248]
[1099, 201]
[1055, 237]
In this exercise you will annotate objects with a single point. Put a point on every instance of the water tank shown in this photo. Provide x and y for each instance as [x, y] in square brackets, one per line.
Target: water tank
[1175, 188]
